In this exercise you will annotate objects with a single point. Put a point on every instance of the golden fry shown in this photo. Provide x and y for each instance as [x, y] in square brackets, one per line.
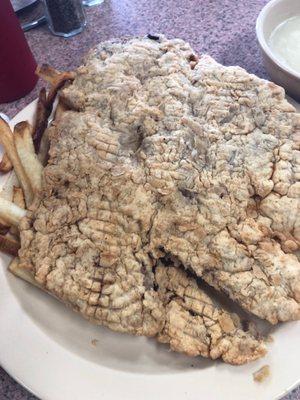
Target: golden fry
[19, 200]
[9, 246]
[4, 227]
[52, 75]
[5, 164]
[41, 119]
[43, 154]
[6, 139]
[10, 213]
[48, 73]
[7, 190]
[56, 79]
[29, 160]
[60, 82]
[22, 272]
[45, 103]
[60, 109]
[18, 197]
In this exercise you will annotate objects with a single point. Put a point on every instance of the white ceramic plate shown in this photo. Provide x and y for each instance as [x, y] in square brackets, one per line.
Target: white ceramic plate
[49, 350]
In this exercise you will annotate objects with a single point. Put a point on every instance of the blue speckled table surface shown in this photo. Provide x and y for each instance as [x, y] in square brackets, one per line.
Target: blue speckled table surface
[223, 28]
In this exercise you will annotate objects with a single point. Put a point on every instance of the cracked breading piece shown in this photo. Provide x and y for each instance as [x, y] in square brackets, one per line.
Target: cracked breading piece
[168, 304]
[158, 158]
[196, 326]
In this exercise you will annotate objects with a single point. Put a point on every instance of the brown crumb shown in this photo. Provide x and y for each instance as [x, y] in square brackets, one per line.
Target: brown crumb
[94, 342]
[262, 373]
[269, 339]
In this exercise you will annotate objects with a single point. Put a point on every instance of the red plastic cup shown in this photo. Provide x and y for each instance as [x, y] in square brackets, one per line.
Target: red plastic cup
[17, 65]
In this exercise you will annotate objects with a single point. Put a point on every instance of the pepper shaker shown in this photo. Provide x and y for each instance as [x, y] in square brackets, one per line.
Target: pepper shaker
[65, 17]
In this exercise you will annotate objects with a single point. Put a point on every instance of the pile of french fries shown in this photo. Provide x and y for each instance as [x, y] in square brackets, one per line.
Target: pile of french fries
[26, 151]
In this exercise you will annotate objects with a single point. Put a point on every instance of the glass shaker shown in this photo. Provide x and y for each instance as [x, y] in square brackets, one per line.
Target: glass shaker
[65, 17]
[17, 65]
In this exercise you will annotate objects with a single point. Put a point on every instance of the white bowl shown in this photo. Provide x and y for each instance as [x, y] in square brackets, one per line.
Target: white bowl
[275, 12]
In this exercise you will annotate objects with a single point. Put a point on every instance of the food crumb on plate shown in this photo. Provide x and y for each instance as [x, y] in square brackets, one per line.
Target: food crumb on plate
[269, 339]
[94, 342]
[261, 374]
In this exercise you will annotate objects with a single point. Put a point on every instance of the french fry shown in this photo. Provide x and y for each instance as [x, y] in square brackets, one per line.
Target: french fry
[56, 79]
[4, 227]
[41, 119]
[10, 213]
[7, 194]
[9, 245]
[7, 190]
[48, 73]
[45, 103]
[53, 92]
[52, 75]
[18, 197]
[29, 160]
[58, 84]
[60, 109]
[5, 164]
[19, 200]
[6, 139]
[43, 154]
[23, 273]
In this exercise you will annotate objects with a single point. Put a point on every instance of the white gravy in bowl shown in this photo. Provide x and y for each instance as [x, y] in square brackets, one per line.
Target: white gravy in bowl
[285, 42]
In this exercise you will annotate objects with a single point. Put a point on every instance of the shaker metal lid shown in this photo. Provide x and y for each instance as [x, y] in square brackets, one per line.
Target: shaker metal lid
[20, 4]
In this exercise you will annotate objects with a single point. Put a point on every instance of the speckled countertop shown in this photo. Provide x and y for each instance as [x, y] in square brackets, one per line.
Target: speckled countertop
[223, 28]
